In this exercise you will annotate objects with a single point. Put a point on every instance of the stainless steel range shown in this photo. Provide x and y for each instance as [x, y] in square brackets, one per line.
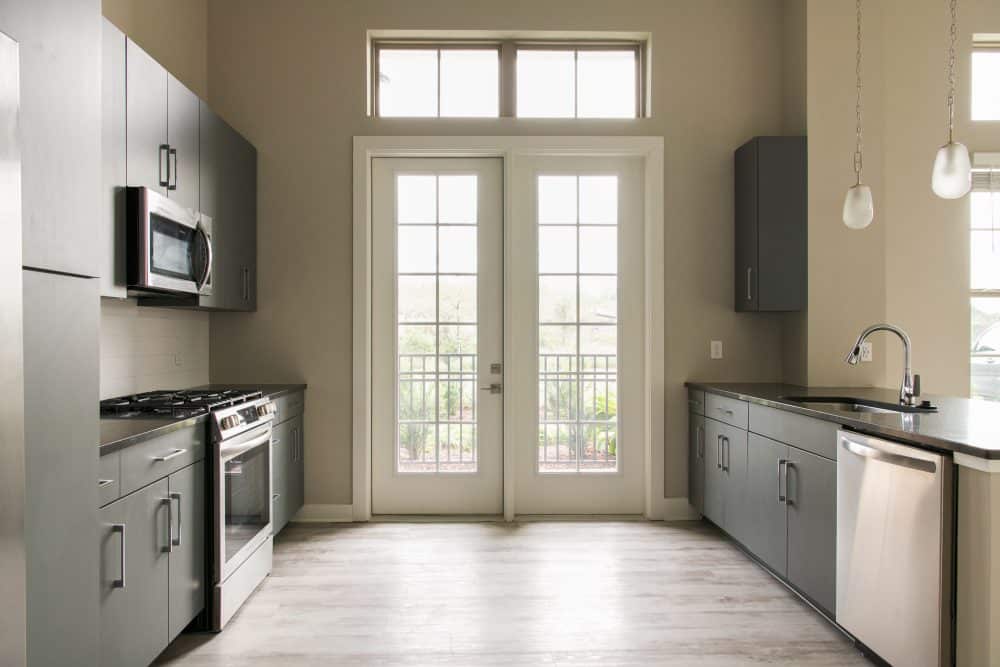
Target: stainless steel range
[239, 514]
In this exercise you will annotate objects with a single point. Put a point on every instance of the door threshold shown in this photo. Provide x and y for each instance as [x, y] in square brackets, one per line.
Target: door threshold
[437, 518]
[527, 518]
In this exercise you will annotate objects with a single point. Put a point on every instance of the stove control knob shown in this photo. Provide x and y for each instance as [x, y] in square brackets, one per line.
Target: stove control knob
[263, 409]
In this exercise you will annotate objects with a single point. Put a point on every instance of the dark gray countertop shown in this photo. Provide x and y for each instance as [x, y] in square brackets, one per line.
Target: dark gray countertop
[119, 433]
[963, 425]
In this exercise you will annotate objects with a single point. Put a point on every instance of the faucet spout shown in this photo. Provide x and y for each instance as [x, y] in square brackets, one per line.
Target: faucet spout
[906, 390]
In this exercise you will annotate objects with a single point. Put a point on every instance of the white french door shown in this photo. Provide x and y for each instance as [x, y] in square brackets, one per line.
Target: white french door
[437, 336]
[577, 315]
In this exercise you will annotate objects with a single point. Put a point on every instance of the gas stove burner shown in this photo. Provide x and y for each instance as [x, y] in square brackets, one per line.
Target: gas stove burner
[179, 404]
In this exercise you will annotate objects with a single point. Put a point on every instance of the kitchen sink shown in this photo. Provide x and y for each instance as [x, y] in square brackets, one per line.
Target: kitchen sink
[851, 404]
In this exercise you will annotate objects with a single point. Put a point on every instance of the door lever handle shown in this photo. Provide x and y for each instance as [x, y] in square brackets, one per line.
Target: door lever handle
[495, 388]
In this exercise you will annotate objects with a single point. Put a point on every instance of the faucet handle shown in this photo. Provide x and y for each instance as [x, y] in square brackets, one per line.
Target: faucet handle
[916, 384]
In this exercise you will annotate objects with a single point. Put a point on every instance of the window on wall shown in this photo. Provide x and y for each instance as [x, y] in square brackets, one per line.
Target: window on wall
[985, 282]
[986, 77]
[490, 79]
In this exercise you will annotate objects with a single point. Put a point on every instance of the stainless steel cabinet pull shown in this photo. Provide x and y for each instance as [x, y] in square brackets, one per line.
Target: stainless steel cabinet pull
[781, 466]
[788, 495]
[725, 411]
[177, 497]
[275, 496]
[701, 442]
[246, 284]
[120, 528]
[172, 169]
[171, 455]
[718, 452]
[170, 524]
[275, 441]
[749, 293]
[725, 453]
[164, 164]
[101, 483]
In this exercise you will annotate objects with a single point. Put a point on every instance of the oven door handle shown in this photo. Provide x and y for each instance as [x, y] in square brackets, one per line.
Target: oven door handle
[229, 453]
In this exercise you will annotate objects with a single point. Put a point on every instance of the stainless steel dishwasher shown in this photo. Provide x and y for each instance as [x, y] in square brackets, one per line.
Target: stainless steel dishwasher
[894, 549]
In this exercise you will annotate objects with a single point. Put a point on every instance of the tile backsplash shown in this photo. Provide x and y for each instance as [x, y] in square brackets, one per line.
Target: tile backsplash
[151, 348]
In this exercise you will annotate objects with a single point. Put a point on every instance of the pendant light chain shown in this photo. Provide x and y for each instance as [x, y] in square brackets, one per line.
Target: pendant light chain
[857, 108]
[951, 70]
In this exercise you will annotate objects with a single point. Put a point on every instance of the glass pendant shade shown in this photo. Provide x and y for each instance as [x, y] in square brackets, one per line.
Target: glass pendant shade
[859, 211]
[952, 175]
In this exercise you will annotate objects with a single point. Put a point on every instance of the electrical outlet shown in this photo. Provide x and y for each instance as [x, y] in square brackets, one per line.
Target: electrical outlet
[178, 361]
[715, 349]
[866, 351]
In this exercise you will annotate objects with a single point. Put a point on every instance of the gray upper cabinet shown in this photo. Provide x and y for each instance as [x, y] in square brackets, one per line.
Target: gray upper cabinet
[147, 147]
[812, 527]
[61, 432]
[696, 461]
[182, 135]
[60, 129]
[134, 572]
[187, 551]
[770, 224]
[113, 162]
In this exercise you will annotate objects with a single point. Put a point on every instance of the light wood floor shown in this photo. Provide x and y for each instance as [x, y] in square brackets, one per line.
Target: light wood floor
[553, 593]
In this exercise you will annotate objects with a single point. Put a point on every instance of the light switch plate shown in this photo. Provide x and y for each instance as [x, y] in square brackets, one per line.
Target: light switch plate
[866, 351]
[715, 349]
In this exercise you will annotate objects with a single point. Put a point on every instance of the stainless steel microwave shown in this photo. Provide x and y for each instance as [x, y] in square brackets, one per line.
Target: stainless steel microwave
[169, 247]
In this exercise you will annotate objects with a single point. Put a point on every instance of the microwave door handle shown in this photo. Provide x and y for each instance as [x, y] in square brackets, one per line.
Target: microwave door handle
[208, 264]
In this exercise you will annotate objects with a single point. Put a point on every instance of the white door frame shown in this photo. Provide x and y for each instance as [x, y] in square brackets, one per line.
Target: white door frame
[649, 149]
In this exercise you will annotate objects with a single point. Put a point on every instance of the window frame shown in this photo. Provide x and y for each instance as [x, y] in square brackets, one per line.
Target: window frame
[507, 60]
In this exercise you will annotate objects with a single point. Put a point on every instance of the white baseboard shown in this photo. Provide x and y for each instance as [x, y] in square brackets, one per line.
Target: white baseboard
[679, 509]
[324, 514]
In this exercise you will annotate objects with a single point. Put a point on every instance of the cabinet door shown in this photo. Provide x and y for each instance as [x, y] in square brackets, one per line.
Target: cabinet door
[297, 470]
[696, 461]
[133, 577]
[210, 133]
[61, 430]
[242, 159]
[746, 269]
[734, 519]
[60, 131]
[765, 504]
[182, 135]
[187, 550]
[281, 453]
[714, 475]
[812, 527]
[781, 223]
[146, 120]
[113, 162]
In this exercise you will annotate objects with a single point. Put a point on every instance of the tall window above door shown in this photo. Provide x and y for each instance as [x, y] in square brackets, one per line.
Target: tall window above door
[986, 77]
[510, 76]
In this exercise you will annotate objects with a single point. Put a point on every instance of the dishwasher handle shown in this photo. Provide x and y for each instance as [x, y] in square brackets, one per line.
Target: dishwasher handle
[871, 451]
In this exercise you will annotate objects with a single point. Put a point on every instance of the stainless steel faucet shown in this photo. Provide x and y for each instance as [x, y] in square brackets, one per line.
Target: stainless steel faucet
[910, 388]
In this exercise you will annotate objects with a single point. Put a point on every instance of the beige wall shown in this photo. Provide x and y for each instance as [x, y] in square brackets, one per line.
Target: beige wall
[291, 76]
[174, 32]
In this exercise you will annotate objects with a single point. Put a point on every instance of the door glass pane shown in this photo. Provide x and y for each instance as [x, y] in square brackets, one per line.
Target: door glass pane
[437, 390]
[986, 348]
[470, 82]
[577, 330]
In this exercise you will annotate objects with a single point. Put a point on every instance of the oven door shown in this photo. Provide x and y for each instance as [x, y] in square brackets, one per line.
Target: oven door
[170, 247]
[243, 498]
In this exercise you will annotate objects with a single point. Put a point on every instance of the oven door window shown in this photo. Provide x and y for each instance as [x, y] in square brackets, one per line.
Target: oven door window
[247, 499]
[171, 248]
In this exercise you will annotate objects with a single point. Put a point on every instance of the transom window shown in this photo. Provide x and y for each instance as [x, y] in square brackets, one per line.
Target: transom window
[491, 79]
[986, 77]
[985, 281]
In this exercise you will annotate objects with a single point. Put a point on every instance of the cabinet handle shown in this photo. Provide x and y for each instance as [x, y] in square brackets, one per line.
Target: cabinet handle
[246, 284]
[164, 164]
[725, 411]
[120, 529]
[172, 169]
[701, 442]
[170, 524]
[275, 496]
[788, 495]
[180, 517]
[726, 453]
[781, 465]
[171, 455]
[718, 452]
[101, 483]
[749, 293]
[275, 441]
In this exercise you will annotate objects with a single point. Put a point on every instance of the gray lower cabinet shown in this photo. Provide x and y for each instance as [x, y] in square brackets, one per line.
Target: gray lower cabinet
[134, 576]
[61, 351]
[765, 507]
[725, 476]
[60, 131]
[288, 464]
[187, 552]
[696, 461]
[812, 527]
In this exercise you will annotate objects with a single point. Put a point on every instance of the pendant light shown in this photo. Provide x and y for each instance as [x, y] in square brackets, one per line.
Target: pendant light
[858, 207]
[952, 175]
